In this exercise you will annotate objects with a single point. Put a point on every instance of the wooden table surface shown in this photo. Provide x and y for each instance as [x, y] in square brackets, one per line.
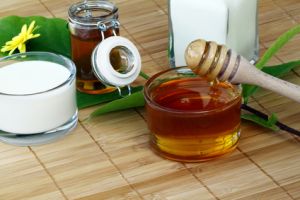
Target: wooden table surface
[109, 158]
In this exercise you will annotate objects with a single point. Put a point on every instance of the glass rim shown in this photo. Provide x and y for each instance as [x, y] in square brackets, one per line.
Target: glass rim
[92, 5]
[69, 65]
[155, 105]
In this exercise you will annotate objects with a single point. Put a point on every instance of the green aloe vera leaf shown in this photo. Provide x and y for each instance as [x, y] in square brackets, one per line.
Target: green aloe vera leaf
[87, 100]
[132, 101]
[144, 75]
[270, 123]
[277, 45]
[281, 69]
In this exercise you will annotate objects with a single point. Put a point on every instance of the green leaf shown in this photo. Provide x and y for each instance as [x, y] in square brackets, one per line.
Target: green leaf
[86, 100]
[277, 45]
[282, 69]
[248, 90]
[276, 70]
[54, 32]
[270, 123]
[132, 101]
[144, 75]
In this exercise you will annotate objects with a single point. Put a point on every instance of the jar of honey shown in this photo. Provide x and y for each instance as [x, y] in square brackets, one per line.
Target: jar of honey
[90, 22]
[190, 118]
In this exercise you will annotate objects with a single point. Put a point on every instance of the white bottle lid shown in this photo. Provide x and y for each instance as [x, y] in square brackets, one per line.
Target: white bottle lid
[103, 68]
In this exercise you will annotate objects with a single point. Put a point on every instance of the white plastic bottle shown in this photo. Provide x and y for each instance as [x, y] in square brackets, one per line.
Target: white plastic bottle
[230, 22]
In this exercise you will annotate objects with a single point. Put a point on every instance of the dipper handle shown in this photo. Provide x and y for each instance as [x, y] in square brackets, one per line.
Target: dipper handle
[217, 61]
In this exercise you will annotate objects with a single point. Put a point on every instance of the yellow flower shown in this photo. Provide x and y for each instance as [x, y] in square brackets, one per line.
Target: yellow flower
[20, 40]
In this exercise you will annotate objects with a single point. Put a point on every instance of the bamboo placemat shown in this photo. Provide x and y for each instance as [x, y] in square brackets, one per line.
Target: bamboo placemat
[109, 158]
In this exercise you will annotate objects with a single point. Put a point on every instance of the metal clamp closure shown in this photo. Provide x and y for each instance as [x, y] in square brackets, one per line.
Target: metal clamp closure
[109, 24]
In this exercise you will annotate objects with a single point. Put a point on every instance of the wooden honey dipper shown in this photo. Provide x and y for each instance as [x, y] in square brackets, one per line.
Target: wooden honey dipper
[217, 61]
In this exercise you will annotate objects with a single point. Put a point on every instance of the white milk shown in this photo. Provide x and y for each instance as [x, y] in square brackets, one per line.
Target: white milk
[242, 30]
[34, 97]
[230, 22]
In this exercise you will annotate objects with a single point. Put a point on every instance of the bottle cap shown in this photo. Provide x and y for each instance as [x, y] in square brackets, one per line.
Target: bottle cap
[116, 50]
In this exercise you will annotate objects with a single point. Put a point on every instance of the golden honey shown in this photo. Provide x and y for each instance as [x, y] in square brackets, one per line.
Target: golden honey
[85, 19]
[190, 118]
[83, 43]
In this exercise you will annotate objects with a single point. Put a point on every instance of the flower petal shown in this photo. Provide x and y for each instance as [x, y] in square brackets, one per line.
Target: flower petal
[31, 36]
[31, 26]
[4, 49]
[11, 52]
[16, 38]
[22, 48]
[23, 30]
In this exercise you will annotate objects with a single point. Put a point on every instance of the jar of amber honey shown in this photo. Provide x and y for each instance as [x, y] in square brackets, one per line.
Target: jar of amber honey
[90, 22]
[190, 118]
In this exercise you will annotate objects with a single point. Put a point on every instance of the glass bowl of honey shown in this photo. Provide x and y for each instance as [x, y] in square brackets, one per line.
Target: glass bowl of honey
[190, 118]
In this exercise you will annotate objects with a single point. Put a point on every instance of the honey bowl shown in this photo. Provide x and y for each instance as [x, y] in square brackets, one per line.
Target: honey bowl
[190, 118]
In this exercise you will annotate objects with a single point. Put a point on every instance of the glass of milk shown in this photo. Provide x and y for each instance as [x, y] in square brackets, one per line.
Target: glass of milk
[229, 22]
[37, 94]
